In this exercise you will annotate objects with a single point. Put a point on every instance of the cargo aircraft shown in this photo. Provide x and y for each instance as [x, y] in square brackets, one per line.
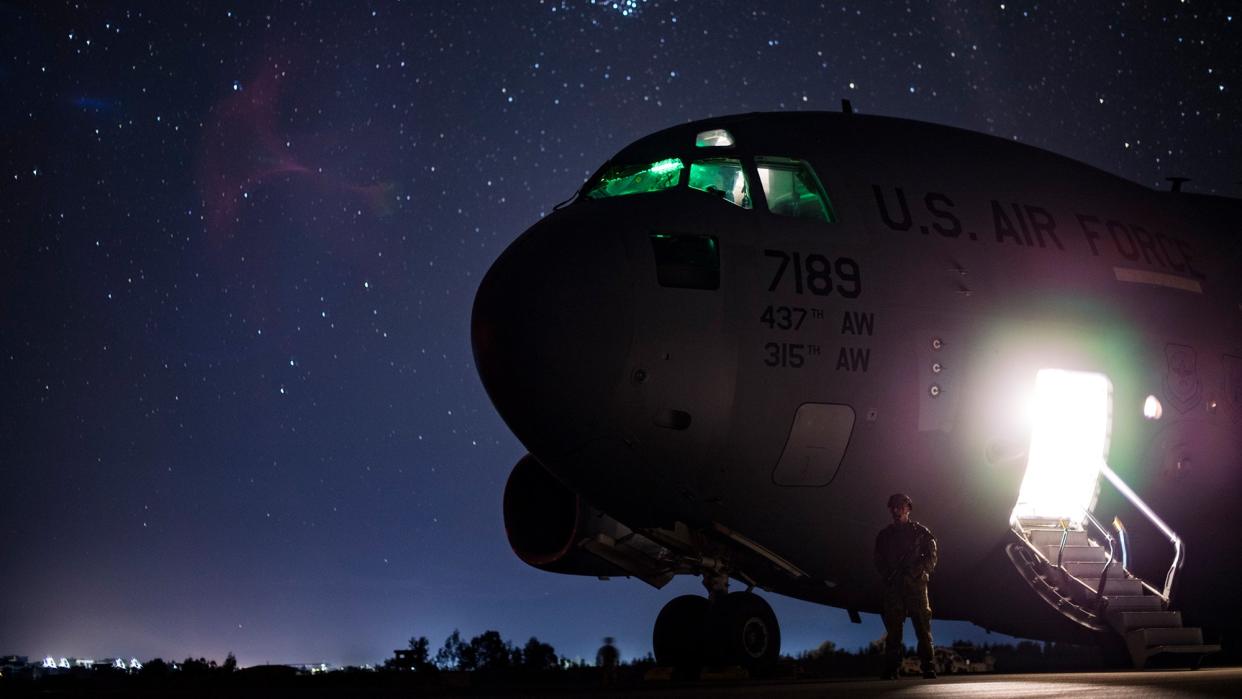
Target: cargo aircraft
[745, 332]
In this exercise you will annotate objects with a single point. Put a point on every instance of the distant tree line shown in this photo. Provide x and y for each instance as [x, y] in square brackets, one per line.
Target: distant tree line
[490, 660]
[158, 667]
[487, 652]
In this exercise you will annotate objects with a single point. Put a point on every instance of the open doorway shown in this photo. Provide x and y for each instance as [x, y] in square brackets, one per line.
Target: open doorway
[1072, 423]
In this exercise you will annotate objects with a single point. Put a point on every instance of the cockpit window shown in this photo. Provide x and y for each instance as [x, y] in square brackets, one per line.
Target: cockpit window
[792, 189]
[723, 177]
[638, 179]
[715, 138]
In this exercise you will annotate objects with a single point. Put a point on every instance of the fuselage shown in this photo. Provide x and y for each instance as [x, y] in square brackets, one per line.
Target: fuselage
[713, 354]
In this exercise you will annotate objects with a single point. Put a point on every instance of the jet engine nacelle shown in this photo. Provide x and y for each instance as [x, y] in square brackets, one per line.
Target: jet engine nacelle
[547, 523]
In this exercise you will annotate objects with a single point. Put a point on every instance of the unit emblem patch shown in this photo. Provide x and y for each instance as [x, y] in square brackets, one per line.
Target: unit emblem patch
[1182, 379]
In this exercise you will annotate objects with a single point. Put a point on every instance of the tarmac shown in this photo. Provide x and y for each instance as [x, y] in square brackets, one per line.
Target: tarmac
[1223, 682]
[1133, 684]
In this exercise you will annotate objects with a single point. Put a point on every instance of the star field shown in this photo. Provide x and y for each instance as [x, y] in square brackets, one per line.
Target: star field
[241, 240]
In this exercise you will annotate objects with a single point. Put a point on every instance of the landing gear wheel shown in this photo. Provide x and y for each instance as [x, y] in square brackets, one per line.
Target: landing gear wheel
[678, 636]
[747, 633]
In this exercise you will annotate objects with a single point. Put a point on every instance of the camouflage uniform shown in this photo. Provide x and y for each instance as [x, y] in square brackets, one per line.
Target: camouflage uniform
[905, 555]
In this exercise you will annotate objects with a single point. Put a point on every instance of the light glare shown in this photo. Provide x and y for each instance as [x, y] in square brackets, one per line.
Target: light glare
[1069, 442]
[1152, 410]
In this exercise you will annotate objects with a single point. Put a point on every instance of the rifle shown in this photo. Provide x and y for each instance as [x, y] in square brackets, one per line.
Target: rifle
[906, 563]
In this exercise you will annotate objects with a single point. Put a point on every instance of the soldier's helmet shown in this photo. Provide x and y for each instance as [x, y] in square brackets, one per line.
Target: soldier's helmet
[896, 499]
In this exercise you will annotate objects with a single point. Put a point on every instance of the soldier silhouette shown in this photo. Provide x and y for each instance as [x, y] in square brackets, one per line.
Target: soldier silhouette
[905, 556]
[606, 659]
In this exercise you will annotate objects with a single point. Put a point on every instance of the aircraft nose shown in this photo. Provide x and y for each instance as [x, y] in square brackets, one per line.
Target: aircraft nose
[551, 331]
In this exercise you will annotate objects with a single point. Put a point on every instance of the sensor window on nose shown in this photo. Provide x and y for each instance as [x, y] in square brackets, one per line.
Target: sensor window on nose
[686, 261]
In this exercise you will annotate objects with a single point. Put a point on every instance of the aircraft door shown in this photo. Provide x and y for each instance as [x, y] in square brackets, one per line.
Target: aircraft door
[1072, 421]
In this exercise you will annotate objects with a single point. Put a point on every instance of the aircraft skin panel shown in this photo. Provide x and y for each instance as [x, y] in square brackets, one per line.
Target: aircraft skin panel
[960, 265]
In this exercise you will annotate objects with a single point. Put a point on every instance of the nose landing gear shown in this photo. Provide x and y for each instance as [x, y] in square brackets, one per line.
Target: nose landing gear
[678, 639]
[747, 632]
[737, 628]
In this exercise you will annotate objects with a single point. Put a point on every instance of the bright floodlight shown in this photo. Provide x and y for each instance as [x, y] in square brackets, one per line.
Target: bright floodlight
[1069, 443]
[714, 137]
[1152, 410]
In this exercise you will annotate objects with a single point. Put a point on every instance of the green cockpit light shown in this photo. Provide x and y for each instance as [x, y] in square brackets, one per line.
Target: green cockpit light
[638, 179]
[666, 166]
[790, 186]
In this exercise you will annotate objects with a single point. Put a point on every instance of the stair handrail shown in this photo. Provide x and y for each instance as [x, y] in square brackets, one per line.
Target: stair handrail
[1121, 539]
[1099, 590]
[1064, 536]
[1179, 550]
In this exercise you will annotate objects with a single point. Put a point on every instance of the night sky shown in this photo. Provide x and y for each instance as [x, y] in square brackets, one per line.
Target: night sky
[240, 241]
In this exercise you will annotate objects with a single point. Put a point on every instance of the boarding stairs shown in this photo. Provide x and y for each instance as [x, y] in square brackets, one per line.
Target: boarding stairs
[1089, 582]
